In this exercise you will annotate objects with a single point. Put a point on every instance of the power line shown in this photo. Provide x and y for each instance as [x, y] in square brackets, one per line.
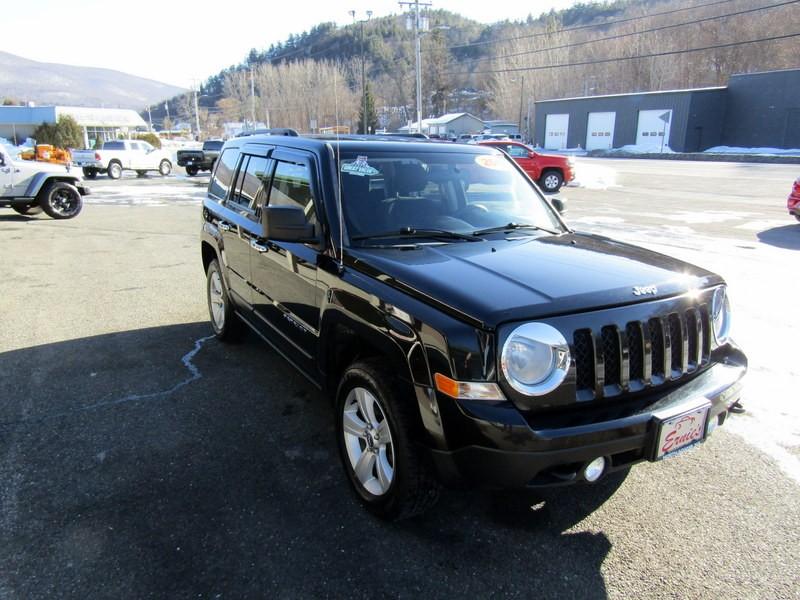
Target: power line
[591, 26]
[619, 58]
[633, 33]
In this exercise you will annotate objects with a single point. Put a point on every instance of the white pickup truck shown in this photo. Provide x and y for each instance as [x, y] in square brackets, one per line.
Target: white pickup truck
[119, 155]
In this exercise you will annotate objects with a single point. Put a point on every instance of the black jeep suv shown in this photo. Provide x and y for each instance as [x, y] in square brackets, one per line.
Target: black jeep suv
[464, 332]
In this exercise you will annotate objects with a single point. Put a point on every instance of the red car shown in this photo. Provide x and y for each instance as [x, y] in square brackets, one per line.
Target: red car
[793, 203]
[548, 170]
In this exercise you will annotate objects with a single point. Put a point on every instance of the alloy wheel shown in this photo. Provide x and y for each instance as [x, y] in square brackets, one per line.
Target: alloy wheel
[368, 440]
[216, 300]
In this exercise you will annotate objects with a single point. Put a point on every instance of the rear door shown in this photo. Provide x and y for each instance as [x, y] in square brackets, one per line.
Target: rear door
[522, 155]
[285, 274]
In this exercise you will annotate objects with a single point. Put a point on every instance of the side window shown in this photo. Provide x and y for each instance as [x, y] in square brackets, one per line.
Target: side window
[291, 186]
[518, 151]
[221, 180]
[114, 146]
[136, 146]
[252, 182]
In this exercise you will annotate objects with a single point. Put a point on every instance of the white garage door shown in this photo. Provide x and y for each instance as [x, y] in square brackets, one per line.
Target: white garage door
[653, 130]
[600, 130]
[555, 132]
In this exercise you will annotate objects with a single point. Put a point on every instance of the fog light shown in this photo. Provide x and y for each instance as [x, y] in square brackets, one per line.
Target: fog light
[594, 469]
[713, 423]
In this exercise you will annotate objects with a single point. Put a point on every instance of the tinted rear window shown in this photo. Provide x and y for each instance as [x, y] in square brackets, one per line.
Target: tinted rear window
[212, 145]
[114, 146]
[223, 174]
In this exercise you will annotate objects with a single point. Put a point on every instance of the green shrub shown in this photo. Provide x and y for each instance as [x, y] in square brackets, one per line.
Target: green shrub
[150, 138]
[65, 133]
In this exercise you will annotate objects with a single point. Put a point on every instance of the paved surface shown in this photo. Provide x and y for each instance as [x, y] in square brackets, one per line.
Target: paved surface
[140, 458]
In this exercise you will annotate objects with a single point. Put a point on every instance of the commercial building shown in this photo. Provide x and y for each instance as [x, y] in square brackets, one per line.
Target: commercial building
[753, 110]
[19, 122]
[449, 125]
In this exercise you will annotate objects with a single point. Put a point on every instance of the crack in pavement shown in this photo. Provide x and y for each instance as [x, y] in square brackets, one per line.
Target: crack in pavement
[186, 359]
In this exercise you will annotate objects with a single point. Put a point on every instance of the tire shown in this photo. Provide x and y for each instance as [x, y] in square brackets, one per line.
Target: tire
[226, 325]
[165, 167]
[114, 170]
[27, 209]
[376, 431]
[191, 171]
[797, 217]
[141, 173]
[551, 181]
[61, 200]
[90, 173]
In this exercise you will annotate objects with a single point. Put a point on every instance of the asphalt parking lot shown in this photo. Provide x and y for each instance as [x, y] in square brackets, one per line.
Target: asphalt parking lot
[141, 458]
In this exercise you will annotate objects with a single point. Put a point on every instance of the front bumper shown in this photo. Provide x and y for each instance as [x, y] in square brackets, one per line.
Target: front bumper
[508, 451]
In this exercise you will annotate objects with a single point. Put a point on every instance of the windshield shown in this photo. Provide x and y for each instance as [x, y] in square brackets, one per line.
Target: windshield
[463, 193]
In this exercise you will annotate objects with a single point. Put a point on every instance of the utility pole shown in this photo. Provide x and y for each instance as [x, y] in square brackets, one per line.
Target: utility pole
[252, 97]
[149, 118]
[196, 111]
[521, 94]
[418, 27]
[363, 71]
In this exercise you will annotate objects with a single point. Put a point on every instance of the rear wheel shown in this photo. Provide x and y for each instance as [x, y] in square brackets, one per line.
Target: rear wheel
[165, 167]
[61, 200]
[191, 171]
[114, 170]
[27, 209]
[89, 173]
[226, 325]
[551, 181]
[141, 173]
[376, 432]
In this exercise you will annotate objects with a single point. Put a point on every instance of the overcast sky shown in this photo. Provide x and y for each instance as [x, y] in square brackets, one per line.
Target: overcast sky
[177, 42]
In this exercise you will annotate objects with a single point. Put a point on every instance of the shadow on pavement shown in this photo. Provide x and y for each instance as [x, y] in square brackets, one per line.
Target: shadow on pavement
[160, 462]
[787, 236]
[12, 217]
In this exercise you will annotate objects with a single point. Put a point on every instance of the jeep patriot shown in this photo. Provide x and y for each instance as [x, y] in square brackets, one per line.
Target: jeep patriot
[464, 332]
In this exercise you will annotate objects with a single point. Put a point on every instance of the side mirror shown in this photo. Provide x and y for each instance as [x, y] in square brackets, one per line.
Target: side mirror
[286, 224]
[531, 154]
[560, 204]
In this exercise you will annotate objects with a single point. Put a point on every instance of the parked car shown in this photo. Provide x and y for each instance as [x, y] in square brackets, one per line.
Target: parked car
[465, 333]
[200, 160]
[793, 202]
[117, 156]
[550, 171]
[31, 187]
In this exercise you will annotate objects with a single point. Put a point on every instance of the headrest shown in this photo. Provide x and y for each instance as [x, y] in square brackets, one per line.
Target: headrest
[410, 178]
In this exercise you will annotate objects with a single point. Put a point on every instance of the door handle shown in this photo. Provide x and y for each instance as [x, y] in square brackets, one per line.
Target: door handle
[224, 226]
[258, 247]
[5, 170]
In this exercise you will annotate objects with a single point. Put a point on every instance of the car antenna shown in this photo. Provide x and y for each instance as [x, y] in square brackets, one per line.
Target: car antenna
[338, 170]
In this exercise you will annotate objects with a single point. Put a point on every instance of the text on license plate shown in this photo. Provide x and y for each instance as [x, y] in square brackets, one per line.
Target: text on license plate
[681, 431]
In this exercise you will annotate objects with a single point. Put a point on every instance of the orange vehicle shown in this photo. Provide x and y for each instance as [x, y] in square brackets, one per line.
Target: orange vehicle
[47, 153]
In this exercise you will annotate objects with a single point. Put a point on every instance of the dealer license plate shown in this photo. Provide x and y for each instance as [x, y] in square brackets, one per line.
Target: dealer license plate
[680, 432]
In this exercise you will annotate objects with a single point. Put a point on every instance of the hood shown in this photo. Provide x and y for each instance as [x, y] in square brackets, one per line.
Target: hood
[525, 277]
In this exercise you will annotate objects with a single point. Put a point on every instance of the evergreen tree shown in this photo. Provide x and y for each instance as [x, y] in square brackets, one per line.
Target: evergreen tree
[65, 133]
[372, 115]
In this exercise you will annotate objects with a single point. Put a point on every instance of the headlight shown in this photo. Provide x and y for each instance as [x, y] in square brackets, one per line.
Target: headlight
[535, 359]
[721, 315]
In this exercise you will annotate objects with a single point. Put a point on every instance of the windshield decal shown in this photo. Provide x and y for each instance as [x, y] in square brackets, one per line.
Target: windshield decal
[359, 167]
[497, 163]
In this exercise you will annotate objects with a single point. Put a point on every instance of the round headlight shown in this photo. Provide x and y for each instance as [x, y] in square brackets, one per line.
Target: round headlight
[721, 315]
[535, 359]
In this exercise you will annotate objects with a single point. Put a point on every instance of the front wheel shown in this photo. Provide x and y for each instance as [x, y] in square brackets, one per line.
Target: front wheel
[551, 181]
[61, 200]
[89, 173]
[226, 325]
[376, 431]
[797, 217]
[165, 167]
[114, 170]
[27, 209]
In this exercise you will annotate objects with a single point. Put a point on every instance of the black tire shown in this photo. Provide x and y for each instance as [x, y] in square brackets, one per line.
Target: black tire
[165, 167]
[89, 173]
[61, 200]
[797, 217]
[228, 327]
[27, 209]
[551, 181]
[191, 170]
[413, 488]
[114, 169]
[141, 173]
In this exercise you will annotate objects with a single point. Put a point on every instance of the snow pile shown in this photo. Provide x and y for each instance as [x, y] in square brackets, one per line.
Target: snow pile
[764, 151]
[637, 149]
[592, 176]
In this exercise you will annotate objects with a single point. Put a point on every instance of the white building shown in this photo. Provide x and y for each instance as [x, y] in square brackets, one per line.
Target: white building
[19, 122]
[449, 125]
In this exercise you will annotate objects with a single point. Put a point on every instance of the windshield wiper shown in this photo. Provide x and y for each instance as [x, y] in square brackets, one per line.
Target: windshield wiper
[510, 226]
[417, 233]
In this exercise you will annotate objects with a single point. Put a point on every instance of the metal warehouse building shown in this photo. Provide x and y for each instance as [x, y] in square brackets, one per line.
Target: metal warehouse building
[756, 109]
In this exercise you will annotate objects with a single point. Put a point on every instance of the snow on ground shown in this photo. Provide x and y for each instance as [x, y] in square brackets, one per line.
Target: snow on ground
[593, 176]
[638, 149]
[764, 151]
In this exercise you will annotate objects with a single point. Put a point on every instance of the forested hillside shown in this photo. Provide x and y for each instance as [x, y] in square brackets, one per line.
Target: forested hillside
[496, 71]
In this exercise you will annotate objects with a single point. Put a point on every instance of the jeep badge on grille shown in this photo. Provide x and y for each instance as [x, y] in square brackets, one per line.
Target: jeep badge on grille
[645, 290]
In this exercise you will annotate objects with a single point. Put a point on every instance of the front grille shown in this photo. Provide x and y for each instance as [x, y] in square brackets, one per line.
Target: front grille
[628, 358]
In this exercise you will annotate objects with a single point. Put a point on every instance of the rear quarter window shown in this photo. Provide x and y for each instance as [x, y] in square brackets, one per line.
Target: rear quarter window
[223, 173]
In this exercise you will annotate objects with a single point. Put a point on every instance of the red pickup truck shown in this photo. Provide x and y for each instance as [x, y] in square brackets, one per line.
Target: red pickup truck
[548, 170]
[793, 202]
